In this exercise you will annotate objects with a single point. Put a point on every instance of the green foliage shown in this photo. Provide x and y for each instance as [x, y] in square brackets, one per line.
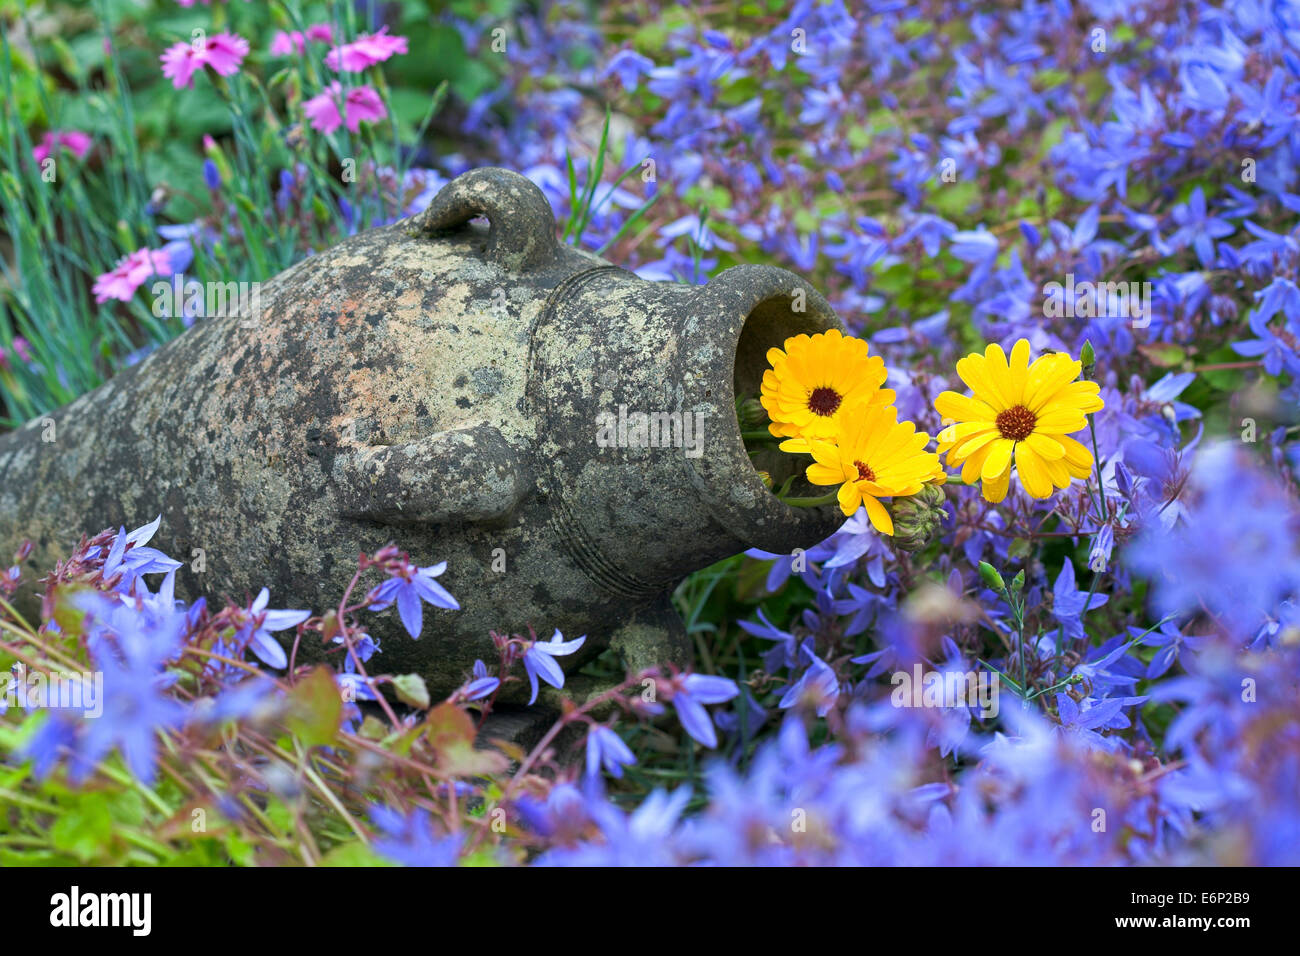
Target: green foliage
[68, 224]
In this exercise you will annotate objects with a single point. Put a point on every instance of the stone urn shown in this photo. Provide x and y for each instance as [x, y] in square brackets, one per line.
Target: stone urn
[561, 432]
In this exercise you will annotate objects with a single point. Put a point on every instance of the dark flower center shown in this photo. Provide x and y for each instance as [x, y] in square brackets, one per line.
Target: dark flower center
[864, 471]
[1017, 423]
[824, 401]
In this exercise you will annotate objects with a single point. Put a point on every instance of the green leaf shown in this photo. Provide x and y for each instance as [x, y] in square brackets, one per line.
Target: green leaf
[85, 829]
[952, 200]
[1163, 354]
[128, 808]
[411, 690]
[354, 854]
[1019, 548]
[315, 708]
[450, 732]
[241, 852]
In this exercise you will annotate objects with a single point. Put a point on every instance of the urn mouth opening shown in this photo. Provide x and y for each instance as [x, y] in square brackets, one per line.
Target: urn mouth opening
[767, 326]
[766, 306]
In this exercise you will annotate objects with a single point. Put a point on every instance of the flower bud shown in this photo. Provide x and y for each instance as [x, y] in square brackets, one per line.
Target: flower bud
[213, 152]
[211, 175]
[990, 576]
[933, 496]
[751, 414]
[1088, 356]
[917, 518]
[1123, 479]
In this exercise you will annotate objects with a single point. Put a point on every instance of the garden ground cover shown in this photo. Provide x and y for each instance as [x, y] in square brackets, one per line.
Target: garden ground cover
[1112, 181]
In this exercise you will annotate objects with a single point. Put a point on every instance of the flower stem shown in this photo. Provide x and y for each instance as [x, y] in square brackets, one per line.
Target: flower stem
[825, 499]
[1018, 613]
[1096, 462]
[1087, 603]
[1104, 505]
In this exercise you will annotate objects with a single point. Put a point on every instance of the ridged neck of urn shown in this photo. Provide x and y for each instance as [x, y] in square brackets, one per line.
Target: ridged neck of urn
[734, 321]
[632, 387]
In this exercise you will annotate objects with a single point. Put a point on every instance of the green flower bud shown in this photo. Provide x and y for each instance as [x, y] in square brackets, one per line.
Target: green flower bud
[933, 496]
[1018, 581]
[124, 237]
[913, 539]
[751, 414]
[990, 576]
[917, 518]
[1088, 357]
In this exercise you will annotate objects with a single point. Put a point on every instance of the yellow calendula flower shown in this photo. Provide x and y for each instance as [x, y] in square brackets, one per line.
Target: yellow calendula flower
[811, 383]
[1018, 412]
[877, 457]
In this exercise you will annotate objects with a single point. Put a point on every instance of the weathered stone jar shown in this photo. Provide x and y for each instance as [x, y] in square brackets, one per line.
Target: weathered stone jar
[455, 388]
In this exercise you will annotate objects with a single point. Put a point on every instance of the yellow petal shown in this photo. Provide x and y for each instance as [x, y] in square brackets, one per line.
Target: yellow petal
[974, 372]
[1058, 472]
[1080, 396]
[971, 468]
[1046, 447]
[1060, 420]
[871, 489]
[998, 460]
[969, 445]
[820, 474]
[963, 430]
[996, 489]
[876, 424]
[849, 498]
[880, 518]
[999, 371]
[1078, 471]
[1033, 474]
[964, 408]
[1020, 365]
[1046, 377]
[1075, 452]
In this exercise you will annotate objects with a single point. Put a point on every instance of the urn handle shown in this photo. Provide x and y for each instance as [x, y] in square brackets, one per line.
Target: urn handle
[522, 225]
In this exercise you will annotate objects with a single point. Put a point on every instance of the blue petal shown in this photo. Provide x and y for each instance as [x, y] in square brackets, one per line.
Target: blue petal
[268, 649]
[710, 690]
[411, 611]
[547, 669]
[435, 593]
[280, 620]
[695, 720]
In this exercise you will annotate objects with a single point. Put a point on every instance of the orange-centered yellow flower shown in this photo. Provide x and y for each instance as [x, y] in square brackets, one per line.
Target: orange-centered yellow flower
[1018, 412]
[877, 457]
[813, 381]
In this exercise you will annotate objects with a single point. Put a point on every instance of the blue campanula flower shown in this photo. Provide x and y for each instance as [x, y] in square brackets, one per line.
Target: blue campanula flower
[1069, 604]
[255, 624]
[481, 685]
[606, 749]
[817, 688]
[408, 587]
[409, 839]
[690, 693]
[539, 661]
